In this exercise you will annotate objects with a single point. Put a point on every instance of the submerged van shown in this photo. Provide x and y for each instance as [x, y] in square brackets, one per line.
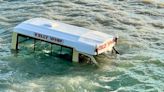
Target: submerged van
[61, 40]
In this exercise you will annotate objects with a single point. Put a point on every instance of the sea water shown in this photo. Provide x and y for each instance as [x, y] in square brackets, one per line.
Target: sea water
[139, 67]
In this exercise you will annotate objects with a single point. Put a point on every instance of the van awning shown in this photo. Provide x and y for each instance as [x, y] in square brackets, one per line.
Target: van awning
[82, 39]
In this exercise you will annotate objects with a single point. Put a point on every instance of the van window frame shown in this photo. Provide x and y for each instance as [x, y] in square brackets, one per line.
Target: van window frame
[17, 44]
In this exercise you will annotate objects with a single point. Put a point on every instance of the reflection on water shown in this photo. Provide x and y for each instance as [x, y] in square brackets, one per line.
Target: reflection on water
[138, 23]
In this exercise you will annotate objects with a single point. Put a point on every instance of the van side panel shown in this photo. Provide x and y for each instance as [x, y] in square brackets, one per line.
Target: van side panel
[14, 41]
[75, 56]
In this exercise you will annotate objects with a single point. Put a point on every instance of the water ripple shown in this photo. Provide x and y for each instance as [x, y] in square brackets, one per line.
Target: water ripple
[139, 67]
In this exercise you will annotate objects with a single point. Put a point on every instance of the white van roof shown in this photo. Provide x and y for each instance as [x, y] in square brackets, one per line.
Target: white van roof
[82, 39]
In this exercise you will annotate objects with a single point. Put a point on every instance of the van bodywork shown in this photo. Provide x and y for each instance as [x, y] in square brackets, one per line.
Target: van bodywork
[81, 40]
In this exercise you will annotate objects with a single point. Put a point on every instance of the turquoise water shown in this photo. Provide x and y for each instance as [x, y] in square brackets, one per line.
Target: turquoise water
[139, 67]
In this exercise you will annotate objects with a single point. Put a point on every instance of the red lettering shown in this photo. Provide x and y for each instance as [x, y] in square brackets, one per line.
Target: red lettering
[102, 46]
[110, 42]
[105, 45]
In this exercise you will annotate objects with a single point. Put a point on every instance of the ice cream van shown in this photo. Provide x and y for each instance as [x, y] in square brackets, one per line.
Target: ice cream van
[61, 40]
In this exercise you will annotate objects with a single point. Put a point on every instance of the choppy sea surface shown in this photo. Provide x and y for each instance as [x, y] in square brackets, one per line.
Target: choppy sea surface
[139, 67]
